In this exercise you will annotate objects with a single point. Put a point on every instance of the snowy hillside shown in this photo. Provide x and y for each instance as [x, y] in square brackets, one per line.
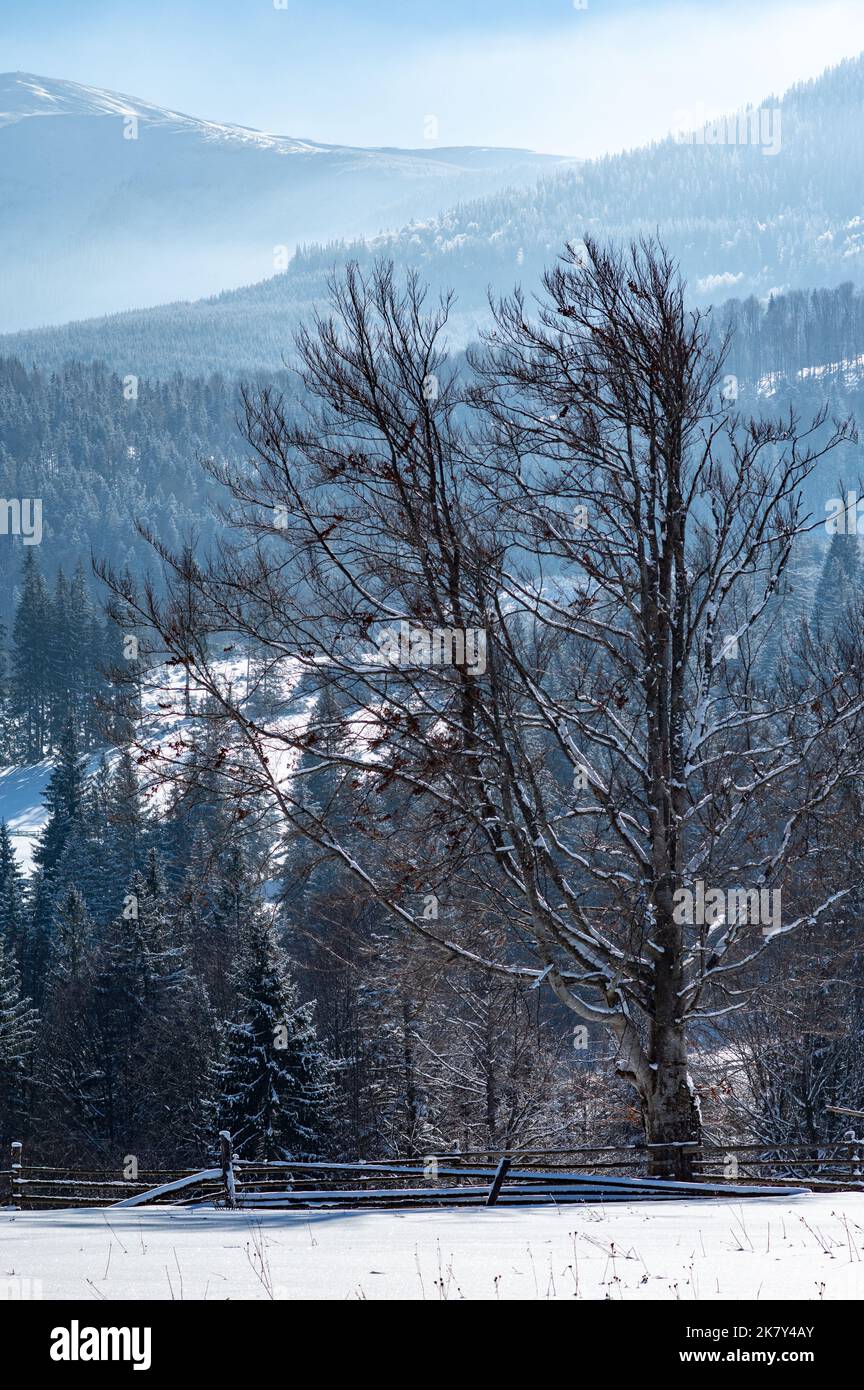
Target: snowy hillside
[165, 723]
[156, 205]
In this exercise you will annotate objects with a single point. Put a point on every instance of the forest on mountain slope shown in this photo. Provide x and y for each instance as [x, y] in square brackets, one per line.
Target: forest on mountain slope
[105, 451]
[741, 222]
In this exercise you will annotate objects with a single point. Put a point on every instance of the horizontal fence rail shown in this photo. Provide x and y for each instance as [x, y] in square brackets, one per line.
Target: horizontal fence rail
[513, 1177]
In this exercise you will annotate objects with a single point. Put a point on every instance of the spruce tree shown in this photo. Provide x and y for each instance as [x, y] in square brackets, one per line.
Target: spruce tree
[140, 1020]
[18, 1032]
[840, 582]
[125, 836]
[272, 1088]
[72, 939]
[7, 723]
[140, 964]
[64, 798]
[31, 662]
[86, 660]
[12, 891]
[75, 1095]
[61, 664]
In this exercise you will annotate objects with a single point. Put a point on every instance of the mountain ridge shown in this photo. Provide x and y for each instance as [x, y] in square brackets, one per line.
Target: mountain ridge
[82, 99]
[113, 203]
[742, 224]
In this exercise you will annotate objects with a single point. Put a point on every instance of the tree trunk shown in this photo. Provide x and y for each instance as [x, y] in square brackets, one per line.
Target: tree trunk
[670, 1108]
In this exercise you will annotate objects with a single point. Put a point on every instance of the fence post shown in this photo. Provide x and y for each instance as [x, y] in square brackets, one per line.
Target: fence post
[673, 1160]
[497, 1181]
[686, 1155]
[17, 1167]
[226, 1161]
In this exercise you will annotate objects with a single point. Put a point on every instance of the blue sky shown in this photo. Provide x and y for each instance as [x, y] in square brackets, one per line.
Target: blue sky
[542, 74]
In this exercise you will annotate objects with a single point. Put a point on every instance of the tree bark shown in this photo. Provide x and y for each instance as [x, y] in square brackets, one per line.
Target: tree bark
[670, 1107]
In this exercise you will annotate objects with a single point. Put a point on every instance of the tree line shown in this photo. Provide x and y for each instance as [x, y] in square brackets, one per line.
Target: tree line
[54, 667]
[153, 993]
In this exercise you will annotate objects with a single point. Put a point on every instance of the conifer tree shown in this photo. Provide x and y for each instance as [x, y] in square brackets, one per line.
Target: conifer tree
[18, 1032]
[31, 662]
[272, 1087]
[125, 831]
[64, 798]
[61, 663]
[72, 939]
[7, 725]
[840, 582]
[12, 893]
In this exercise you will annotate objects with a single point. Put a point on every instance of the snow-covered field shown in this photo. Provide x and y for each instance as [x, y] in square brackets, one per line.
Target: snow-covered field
[797, 1248]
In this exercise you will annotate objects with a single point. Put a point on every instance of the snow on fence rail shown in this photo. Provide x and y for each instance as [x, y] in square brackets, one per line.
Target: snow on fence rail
[590, 1173]
[170, 1188]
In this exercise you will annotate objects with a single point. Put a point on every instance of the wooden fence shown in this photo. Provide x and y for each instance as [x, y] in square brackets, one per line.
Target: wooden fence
[515, 1177]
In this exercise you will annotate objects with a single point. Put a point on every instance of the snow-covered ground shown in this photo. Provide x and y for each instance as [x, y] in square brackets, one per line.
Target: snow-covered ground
[798, 1248]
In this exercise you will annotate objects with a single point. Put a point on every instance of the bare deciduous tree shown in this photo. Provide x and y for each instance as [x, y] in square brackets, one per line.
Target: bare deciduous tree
[584, 498]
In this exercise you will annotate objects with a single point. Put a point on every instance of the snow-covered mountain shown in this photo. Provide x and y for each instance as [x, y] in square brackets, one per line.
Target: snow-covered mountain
[109, 202]
[744, 220]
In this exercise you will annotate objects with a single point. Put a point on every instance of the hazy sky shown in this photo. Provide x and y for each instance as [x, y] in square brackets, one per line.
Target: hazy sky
[543, 74]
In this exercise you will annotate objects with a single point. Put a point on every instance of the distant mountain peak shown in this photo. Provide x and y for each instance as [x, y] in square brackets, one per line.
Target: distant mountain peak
[24, 95]
[156, 204]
